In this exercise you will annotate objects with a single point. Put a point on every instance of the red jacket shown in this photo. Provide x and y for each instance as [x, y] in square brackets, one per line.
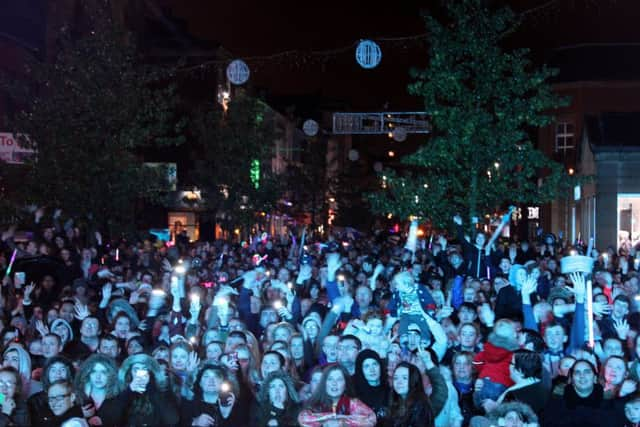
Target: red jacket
[493, 363]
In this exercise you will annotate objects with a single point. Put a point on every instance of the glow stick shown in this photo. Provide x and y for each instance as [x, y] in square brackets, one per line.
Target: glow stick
[117, 254]
[13, 259]
[590, 313]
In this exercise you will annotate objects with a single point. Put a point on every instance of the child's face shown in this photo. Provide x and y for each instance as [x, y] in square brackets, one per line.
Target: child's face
[375, 326]
[632, 411]
[554, 338]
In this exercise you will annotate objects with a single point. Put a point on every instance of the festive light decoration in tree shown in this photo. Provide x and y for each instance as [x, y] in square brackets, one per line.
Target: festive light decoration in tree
[482, 102]
[255, 173]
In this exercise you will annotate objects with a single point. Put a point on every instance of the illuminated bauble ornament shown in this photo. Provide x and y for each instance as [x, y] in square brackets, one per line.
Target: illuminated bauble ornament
[399, 134]
[238, 72]
[353, 155]
[377, 166]
[310, 127]
[368, 54]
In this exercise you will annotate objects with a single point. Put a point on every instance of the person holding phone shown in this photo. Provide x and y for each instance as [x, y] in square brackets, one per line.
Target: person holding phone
[146, 399]
[216, 400]
[277, 404]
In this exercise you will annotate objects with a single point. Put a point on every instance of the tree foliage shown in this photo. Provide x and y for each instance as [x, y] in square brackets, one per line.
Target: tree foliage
[483, 102]
[228, 144]
[91, 113]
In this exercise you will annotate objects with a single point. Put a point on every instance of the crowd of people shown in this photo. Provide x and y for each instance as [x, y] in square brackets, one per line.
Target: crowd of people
[354, 330]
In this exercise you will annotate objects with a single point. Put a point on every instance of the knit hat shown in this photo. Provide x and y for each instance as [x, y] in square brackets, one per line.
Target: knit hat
[63, 322]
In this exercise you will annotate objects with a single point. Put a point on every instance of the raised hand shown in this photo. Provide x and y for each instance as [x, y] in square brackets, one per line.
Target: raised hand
[628, 387]
[28, 290]
[444, 312]
[229, 362]
[622, 328]
[528, 287]
[579, 287]
[442, 241]
[204, 420]
[39, 214]
[304, 274]
[457, 220]
[194, 361]
[81, 311]
[601, 309]
[285, 313]
[486, 315]
[41, 328]
[107, 289]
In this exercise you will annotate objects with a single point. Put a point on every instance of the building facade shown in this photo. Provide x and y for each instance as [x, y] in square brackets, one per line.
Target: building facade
[595, 136]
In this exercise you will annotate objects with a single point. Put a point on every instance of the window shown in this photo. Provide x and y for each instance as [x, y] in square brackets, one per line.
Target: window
[565, 137]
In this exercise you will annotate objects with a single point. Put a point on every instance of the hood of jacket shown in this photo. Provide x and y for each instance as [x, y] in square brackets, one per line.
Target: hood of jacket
[508, 344]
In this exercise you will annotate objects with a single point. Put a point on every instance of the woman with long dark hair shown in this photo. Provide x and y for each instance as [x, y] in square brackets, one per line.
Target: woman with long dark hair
[216, 400]
[334, 403]
[409, 405]
[145, 399]
[277, 403]
[371, 385]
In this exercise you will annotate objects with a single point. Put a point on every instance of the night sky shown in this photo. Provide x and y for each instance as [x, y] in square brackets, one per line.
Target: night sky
[252, 28]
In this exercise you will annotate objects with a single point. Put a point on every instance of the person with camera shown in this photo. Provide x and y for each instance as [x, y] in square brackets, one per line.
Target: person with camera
[145, 399]
[216, 400]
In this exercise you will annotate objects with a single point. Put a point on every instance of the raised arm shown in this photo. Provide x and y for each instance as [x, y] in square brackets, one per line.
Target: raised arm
[498, 230]
[576, 338]
[528, 288]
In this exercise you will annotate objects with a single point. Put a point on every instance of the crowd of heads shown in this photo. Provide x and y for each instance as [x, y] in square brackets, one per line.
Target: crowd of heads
[346, 330]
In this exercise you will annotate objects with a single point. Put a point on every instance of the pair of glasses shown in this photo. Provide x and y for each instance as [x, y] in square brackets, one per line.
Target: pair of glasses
[58, 399]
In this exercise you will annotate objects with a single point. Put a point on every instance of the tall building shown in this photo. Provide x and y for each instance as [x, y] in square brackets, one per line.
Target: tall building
[596, 136]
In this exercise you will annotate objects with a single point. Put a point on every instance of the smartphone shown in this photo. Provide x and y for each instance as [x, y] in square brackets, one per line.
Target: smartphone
[225, 393]
[2, 398]
[19, 279]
